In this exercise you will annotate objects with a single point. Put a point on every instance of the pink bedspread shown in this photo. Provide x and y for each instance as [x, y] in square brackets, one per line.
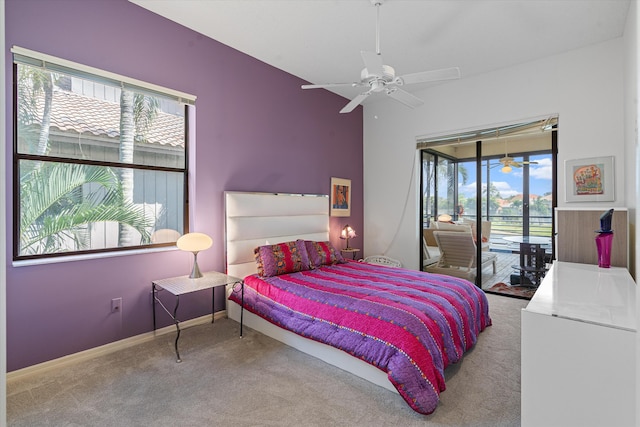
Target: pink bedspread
[409, 324]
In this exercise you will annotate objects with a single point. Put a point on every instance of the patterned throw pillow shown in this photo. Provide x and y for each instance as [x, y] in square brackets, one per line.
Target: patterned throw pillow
[281, 258]
[323, 253]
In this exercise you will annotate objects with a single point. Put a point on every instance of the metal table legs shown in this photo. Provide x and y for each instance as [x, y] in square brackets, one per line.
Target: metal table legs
[173, 316]
[175, 319]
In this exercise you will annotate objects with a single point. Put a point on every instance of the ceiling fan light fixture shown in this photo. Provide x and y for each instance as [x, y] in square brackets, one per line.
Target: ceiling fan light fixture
[506, 169]
[377, 77]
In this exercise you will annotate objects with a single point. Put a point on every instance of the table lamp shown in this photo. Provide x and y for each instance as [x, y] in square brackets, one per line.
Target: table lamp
[194, 242]
[347, 233]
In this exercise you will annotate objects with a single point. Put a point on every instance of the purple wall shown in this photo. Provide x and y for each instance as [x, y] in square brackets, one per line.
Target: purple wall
[256, 130]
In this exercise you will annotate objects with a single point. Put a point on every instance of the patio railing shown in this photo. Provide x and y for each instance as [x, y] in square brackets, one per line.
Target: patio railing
[510, 225]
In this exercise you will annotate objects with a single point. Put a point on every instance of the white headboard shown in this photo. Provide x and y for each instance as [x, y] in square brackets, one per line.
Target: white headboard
[252, 219]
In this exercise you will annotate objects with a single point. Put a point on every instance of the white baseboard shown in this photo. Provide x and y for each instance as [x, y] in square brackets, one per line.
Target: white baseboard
[107, 348]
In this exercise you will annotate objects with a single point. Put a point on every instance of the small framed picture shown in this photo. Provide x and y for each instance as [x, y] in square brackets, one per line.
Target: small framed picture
[590, 180]
[340, 197]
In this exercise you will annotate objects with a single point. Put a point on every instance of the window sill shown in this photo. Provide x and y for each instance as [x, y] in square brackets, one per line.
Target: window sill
[56, 260]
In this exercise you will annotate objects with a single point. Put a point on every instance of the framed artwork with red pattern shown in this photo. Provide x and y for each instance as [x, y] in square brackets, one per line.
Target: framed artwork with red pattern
[340, 197]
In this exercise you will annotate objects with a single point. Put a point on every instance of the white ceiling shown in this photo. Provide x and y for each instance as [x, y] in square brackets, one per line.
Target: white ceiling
[320, 40]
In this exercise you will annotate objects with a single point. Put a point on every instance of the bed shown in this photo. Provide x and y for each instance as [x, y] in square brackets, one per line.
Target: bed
[397, 328]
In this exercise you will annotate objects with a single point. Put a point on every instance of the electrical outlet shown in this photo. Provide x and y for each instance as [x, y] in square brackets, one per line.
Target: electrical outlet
[116, 305]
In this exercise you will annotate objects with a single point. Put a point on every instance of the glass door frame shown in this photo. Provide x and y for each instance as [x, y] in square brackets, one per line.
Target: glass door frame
[436, 157]
[479, 170]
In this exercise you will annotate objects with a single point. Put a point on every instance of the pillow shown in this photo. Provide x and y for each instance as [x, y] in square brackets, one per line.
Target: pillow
[323, 253]
[281, 258]
[473, 225]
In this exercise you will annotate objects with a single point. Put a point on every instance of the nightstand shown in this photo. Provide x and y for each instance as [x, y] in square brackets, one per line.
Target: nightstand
[184, 285]
[352, 251]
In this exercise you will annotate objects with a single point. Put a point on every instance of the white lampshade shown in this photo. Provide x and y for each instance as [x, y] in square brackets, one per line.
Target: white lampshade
[506, 169]
[194, 242]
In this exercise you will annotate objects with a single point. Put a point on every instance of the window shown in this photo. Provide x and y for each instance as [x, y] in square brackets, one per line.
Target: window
[100, 164]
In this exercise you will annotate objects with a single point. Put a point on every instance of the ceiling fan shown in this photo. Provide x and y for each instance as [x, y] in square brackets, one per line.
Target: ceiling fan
[509, 162]
[378, 77]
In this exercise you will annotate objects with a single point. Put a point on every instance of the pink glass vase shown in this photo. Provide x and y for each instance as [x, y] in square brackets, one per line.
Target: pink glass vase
[603, 244]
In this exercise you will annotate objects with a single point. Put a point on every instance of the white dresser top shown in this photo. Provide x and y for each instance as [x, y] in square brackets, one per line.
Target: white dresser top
[587, 293]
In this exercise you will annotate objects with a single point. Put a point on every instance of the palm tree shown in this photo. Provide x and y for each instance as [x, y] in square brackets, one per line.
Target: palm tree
[55, 215]
[493, 196]
[137, 113]
[35, 84]
[445, 170]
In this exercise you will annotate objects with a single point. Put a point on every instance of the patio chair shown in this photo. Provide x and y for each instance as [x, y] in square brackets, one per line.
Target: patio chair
[428, 258]
[485, 230]
[458, 255]
[468, 225]
[430, 250]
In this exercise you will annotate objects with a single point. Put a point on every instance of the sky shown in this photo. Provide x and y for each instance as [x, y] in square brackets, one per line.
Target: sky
[510, 184]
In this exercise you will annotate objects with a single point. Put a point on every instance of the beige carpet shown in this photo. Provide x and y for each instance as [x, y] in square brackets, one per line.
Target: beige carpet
[256, 381]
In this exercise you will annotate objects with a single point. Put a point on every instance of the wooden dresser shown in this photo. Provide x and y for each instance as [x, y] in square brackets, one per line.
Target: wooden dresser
[578, 349]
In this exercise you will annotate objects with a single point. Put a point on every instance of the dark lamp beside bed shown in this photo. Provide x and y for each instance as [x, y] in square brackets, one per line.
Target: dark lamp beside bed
[194, 242]
[347, 233]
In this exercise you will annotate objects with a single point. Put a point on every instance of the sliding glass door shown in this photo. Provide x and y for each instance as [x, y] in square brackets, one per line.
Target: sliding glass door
[520, 199]
[510, 193]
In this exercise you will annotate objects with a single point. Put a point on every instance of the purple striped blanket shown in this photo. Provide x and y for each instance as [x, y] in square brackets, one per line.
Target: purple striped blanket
[410, 324]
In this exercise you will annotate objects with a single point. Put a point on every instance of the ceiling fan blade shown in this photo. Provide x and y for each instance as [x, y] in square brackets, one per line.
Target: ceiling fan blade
[326, 85]
[405, 97]
[529, 163]
[354, 102]
[373, 63]
[516, 164]
[431, 76]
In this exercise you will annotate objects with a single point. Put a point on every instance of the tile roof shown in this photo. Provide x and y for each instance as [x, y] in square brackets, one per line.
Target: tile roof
[78, 113]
